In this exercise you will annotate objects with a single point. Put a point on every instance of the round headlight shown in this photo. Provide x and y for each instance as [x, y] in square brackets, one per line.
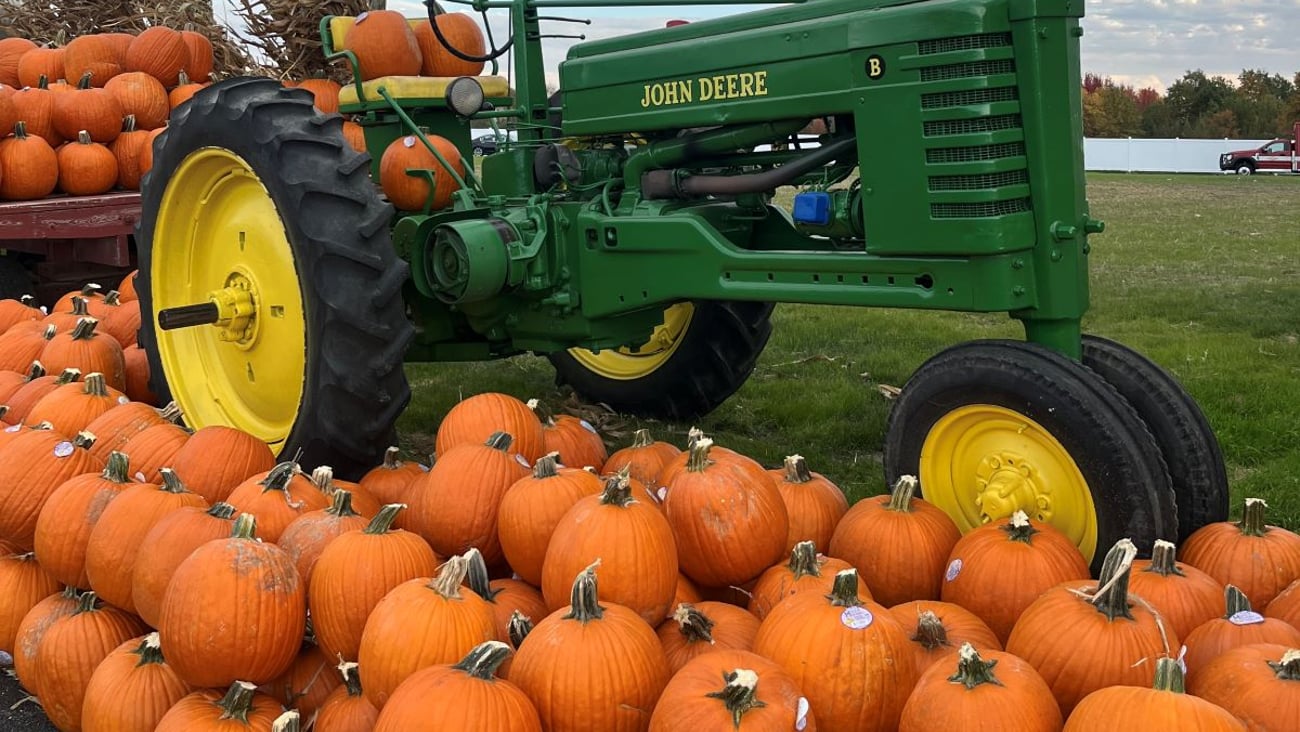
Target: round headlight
[465, 96]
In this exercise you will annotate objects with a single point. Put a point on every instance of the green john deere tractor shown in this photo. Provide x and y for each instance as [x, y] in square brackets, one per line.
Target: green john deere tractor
[630, 236]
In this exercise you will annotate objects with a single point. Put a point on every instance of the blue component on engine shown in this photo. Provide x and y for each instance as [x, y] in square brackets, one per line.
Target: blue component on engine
[812, 207]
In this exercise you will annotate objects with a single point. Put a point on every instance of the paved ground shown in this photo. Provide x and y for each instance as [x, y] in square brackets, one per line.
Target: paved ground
[27, 716]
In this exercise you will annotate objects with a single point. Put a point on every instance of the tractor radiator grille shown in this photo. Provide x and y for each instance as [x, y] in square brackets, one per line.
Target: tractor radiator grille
[972, 128]
[963, 43]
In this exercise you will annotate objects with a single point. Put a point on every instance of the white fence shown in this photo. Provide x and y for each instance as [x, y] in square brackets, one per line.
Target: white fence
[1159, 155]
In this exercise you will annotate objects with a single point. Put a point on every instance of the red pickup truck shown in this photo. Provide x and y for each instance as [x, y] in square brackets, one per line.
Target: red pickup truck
[1277, 156]
[57, 244]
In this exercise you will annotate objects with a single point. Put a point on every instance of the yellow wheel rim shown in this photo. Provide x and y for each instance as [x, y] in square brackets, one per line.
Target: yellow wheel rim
[981, 463]
[626, 364]
[219, 237]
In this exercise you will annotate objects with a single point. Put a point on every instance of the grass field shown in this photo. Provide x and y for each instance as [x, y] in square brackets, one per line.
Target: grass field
[1201, 273]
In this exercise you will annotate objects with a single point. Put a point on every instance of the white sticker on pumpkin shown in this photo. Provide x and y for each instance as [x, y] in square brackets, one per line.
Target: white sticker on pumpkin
[13, 428]
[63, 449]
[409, 141]
[801, 714]
[123, 399]
[522, 460]
[662, 493]
[139, 477]
[856, 618]
[1246, 617]
[954, 569]
[587, 426]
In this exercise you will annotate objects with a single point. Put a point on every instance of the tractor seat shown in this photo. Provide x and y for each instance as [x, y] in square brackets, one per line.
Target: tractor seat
[401, 87]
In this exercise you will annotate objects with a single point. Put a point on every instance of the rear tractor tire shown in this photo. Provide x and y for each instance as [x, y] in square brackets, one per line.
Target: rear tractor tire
[992, 427]
[256, 200]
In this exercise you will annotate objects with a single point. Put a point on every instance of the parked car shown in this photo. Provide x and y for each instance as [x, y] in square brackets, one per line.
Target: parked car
[487, 142]
[1277, 156]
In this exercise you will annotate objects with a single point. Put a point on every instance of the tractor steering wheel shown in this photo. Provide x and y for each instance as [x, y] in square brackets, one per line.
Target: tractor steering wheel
[435, 10]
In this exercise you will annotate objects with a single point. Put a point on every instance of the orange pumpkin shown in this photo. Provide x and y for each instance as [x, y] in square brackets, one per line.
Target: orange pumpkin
[118, 538]
[645, 458]
[1286, 606]
[1112, 637]
[463, 34]
[474, 419]
[237, 577]
[20, 310]
[1239, 626]
[43, 63]
[1183, 595]
[411, 191]
[1158, 705]
[814, 503]
[131, 689]
[72, 648]
[184, 90]
[8, 110]
[939, 629]
[126, 288]
[419, 623]
[633, 542]
[325, 92]
[746, 519]
[467, 695]
[574, 440]
[347, 709]
[114, 428]
[807, 571]
[160, 52]
[26, 583]
[126, 149]
[705, 627]
[137, 376]
[31, 632]
[32, 467]
[1256, 557]
[168, 543]
[200, 55]
[65, 318]
[29, 167]
[86, 168]
[384, 45]
[277, 497]
[582, 643]
[1259, 684]
[532, 507]
[355, 134]
[90, 56]
[389, 482]
[65, 523]
[307, 683]
[455, 505]
[730, 690]
[508, 597]
[990, 692]
[154, 448]
[853, 661]
[35, 106]
[88, 350]
[362, 502]
[1036, 553]
[11, 50]
[216, 459]
[21, 346]
[141, 96]
[26, 396]
[354, 573]
[241, 708]
[119, 319]
[72, 407]
[306, 536]
[94, 111]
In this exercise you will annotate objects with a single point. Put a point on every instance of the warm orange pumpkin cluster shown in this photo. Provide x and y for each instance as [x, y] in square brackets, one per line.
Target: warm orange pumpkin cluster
[530, 579]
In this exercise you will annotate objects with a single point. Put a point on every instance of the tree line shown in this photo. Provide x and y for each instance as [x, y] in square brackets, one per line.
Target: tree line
[1258, 105]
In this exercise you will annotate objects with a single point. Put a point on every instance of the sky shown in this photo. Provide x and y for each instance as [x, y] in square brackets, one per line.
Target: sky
[1138, 42]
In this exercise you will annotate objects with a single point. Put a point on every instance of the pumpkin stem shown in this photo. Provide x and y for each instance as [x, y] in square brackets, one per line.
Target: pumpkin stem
[50, 331]
[642, 438]
[483, 660]
[171, 482]
[1253, 518]
[1019, 528]
[618, 491]
[930, 632]
[149, 650]
[287, 722]
[29, 301]
[383, 521]
[68, 376]
[844, 592]
[95, 385]
[518, 628]
[84, 440]
[693, 624]
[4, 409]
[796, 469]
[739, 693]
[90, 289]
[279, 476]
[348, 670]
[80, 305]
[113, 298]
[450, 577]
[1288, 669]
[693, 435]
[1112, 594]
[1236, 601]
[500, 441]
[117, 469]
[238, 701]
[245, 527]
[546, 465]
[171, 412]
[86, 602]
[391, 461]
[973, 670]
[698, 459]
[36, 370]
[583, 603]
[1163, 559]
[476, 575]
[20, 130]
[544, 414]
[221, 510]
[85, 329]
[182, 79]
[803, 560]
[83, 137]
[900, 499]
[341, 504]
[84, 81]
[128, 123]
[1169, 676]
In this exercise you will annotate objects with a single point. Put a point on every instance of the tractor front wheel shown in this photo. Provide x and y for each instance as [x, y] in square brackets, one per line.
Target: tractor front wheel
[259, 213]
[698, 357]
[992, 427]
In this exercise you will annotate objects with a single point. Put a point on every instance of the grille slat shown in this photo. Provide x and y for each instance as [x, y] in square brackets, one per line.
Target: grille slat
[980, 210]
[963, 43]
[968, 97]
[997, 123]
[968, 69]
[974, 153]
[978, 182]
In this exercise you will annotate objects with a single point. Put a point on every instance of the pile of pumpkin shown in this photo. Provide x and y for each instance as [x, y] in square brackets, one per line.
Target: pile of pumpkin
[529, 579]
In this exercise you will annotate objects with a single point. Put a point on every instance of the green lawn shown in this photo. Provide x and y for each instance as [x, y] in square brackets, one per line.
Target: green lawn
[1201, 273]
